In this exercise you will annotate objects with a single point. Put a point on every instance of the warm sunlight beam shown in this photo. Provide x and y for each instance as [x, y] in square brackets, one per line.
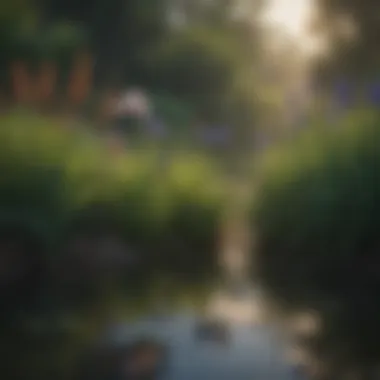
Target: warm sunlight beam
[291, 17]
[289, 14]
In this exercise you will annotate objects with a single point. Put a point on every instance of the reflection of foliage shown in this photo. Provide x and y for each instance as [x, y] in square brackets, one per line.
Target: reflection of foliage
[317, 220]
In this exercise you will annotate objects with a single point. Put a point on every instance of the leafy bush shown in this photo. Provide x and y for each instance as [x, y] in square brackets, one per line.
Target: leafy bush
[54, 175]
[316, 217]
[199, 66]
[178, 116]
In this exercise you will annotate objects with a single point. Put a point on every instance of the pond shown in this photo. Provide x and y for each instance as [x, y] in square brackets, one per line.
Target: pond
[254, 352]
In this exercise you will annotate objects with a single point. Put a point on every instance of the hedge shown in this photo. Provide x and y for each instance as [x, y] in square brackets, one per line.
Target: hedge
[51, 175]
[60, 182]
[316, 217]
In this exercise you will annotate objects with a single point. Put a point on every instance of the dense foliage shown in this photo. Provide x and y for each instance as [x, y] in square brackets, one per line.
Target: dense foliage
[73, 195]
[316, 220]
[51, 174]
[138, 44]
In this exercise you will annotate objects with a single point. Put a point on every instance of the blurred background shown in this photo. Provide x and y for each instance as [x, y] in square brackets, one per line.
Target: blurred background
[174, 170]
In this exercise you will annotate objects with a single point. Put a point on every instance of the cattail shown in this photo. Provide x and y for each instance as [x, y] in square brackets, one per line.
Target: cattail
[21, 83]
[80, 79]
[46, 82]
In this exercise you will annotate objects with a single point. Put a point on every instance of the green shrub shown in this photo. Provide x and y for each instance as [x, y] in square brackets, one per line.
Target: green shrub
[177, 115]
[316, 217]
[54, 174]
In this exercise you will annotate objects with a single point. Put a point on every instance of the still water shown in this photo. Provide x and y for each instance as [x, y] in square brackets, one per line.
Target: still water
[254, 352]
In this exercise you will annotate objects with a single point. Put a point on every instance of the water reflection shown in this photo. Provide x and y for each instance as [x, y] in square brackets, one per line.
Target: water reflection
[241, 305]
[253, 352]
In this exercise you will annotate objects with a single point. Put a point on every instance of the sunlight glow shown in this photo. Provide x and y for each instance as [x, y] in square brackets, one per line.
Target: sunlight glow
[291, 17]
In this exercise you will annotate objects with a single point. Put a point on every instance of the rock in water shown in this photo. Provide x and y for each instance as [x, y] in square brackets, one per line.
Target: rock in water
[144, 360]
[213, 331]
